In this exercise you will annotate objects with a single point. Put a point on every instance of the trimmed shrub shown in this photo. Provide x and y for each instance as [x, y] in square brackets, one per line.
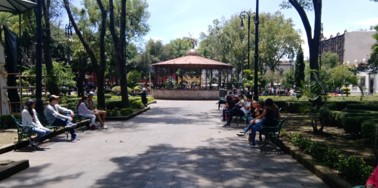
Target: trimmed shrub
[365, 106]
[355, 169]
[108, 96]
[136, 104]
[113, 105]
[368, 129]
[351, 168]
[352, 123]
[126, 111]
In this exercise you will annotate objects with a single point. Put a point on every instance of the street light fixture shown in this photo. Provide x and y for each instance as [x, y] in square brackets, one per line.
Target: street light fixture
[68, 33]
[246, 15]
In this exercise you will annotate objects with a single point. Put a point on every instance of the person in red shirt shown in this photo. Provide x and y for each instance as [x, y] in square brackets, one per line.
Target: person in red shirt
[372, 181]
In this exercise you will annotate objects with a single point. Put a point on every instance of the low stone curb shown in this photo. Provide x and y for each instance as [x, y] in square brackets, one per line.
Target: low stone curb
[119, 118]
[327, 175]
[8, 168]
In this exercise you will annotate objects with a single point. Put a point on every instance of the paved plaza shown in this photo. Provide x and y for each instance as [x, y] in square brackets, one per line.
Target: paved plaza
[174, 144]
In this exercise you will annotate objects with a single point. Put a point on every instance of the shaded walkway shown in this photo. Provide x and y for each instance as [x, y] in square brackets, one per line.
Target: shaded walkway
[175, 144]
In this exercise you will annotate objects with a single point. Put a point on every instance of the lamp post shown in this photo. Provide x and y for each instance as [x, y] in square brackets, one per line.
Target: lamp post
[38, 62]
[68, 33]
[246, 15]
[255, 87]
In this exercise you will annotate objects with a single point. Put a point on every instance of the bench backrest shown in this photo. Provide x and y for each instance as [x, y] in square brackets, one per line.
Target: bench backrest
[25, 129]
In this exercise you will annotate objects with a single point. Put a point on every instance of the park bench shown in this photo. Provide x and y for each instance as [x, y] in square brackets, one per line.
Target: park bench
[272, 133]
[24, 133]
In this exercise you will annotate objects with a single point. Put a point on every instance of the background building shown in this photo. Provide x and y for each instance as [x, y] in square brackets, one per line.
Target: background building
[353, 48]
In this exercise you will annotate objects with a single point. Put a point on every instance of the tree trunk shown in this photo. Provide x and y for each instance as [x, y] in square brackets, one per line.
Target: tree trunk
[91, 54]
[50, 77]
[101, 71]
[120, 47]
[313, 41]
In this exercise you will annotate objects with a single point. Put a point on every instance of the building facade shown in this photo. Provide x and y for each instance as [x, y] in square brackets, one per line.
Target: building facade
[352, 49]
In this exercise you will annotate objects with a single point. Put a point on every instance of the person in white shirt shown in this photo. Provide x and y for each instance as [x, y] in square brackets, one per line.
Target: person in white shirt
[30, 119]
[241, 108]
[83, 111]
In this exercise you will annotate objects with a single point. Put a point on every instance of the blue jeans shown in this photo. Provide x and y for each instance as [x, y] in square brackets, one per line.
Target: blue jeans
[41, 132]
[59, 122]
[254, 127]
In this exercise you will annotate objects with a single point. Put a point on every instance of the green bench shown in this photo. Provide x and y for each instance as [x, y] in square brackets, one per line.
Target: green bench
[272, 133]
[24, 133]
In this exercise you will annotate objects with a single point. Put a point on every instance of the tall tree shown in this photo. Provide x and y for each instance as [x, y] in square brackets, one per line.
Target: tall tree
[299, 69]
[277, 40]
[227, 42]
[313, 39]
[120, 46]
[373, 60]
[123, 32]
[51, 76]
[90, 52]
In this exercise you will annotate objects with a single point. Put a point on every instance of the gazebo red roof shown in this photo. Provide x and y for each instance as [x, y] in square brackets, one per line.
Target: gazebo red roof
[192, 61]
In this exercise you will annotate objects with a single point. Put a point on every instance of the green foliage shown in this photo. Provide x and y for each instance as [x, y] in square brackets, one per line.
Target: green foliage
[299, 74]
[354, 168]
[373, 60]
[126, 111]
[368, 131]
[226, 42]
[137, 88]
[136, 104]
[63, 72]
[133, 78]
[248, 75]
[352, 124]
[329, 60]
[339, 76]
[351, 168]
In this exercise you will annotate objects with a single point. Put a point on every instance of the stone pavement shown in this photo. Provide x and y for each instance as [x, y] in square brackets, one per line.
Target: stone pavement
[174, 144]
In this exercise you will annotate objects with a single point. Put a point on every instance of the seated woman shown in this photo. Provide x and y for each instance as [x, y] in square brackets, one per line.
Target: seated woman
[30, 118]
[269, 117]
[256, 112]
[83, 111]
[100, 114]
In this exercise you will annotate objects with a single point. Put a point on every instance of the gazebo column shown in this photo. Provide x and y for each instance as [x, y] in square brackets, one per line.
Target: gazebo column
[211, 79]
[200, 77]
[219, 78]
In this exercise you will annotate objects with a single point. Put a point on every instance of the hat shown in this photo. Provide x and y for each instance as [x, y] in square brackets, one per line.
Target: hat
[53, 97]
[144, 89]
[91, 93]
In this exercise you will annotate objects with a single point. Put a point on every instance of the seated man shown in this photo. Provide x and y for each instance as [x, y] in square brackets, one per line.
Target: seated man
[241, 109]
[30, 119]
[60, 116]
[230, 103]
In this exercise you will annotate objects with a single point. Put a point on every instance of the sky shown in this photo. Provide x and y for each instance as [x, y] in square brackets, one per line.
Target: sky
[172, 19]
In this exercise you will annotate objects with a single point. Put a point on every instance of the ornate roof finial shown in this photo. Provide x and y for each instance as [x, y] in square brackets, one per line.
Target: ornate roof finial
[192, 40]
